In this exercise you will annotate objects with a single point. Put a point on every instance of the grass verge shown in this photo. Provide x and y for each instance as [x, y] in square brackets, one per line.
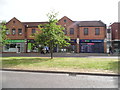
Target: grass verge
[105, 65]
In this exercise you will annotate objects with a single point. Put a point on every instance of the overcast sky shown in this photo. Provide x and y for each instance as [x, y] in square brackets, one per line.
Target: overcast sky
[77, 10]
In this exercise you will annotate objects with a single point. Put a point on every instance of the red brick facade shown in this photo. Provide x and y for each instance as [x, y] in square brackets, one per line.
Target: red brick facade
[115, 28]
[74, 29]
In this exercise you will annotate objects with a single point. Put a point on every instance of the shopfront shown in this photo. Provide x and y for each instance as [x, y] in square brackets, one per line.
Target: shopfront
[17, 46]
[116, 46]
[71, 48]
[32, 46]
[92, 46]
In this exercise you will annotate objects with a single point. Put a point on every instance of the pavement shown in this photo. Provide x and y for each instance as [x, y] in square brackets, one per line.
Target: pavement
[59, 55]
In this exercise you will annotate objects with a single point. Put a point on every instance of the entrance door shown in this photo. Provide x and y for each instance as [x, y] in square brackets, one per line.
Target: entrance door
[83, 48]
[18, 47]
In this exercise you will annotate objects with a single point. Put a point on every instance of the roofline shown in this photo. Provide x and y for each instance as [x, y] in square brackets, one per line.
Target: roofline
[14, 18]
[34, 22]
[91, 26]
[66, 17]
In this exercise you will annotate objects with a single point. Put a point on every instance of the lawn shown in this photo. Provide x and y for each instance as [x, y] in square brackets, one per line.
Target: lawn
[105, 65]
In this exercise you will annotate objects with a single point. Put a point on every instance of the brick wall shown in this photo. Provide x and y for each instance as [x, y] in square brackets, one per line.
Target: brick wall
[29, 32]
[115, 27]
[91, 33]
[69, 24]
[15, 24]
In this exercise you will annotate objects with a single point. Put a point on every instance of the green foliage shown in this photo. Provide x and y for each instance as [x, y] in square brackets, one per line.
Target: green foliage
[52, 33]
[3, 33]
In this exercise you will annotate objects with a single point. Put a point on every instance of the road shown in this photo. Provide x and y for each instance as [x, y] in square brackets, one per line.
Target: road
[13, 79]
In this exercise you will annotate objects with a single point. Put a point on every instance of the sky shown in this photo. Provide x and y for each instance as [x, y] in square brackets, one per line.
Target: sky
[76, 10]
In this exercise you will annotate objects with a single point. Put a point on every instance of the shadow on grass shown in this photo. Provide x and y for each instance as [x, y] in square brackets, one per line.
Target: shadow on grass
[6, 63]
[115, 66]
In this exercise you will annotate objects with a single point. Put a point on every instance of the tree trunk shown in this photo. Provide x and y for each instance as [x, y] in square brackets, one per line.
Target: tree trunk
[51, 49]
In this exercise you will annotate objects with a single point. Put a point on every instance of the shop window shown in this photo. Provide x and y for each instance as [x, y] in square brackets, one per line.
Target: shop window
[33, 31]
[71, 31]
[7, 46]
[12, 45]
[85, 31]
[97, 31]
[13, 31]
[19, 31]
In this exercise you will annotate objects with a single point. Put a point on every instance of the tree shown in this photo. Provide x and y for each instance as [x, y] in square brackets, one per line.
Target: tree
[3, 33]
[52, 34]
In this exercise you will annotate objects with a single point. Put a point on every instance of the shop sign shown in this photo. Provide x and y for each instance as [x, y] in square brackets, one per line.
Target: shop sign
[84, 40]
[96, 40]
[15, 41]
[88, 41]
[90, 44]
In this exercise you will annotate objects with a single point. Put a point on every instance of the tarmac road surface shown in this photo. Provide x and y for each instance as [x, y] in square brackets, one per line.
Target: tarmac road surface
[14, 79]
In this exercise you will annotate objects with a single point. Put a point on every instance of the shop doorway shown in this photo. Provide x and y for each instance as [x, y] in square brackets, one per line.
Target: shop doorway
[18, 46]
[86, 48]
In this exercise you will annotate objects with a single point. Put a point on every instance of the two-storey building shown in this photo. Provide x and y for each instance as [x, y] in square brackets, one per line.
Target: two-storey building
[86, 36]
[115, 28]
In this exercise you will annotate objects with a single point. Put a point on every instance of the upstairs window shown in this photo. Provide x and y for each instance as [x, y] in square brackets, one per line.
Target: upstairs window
[19, 31]
[65, 20]
[7, 32]
[71, 31]
[65, 31]
[97, 31]
[33, 31]
[85, 31]
[13, 31]
[13, 21]
[108, 30]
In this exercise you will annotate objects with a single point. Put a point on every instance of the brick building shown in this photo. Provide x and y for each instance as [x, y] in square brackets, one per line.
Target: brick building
[115, 28]
[86, 36]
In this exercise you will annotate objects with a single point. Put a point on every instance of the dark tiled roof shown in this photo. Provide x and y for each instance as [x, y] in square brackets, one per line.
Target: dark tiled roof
[91, 23]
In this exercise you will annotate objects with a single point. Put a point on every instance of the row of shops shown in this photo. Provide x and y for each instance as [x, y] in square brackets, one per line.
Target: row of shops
[85, 46]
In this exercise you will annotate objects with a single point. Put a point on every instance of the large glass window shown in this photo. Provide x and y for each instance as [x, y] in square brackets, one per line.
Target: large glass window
[85, 31]
[71, 31]
[12, 45]
[97, 31]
